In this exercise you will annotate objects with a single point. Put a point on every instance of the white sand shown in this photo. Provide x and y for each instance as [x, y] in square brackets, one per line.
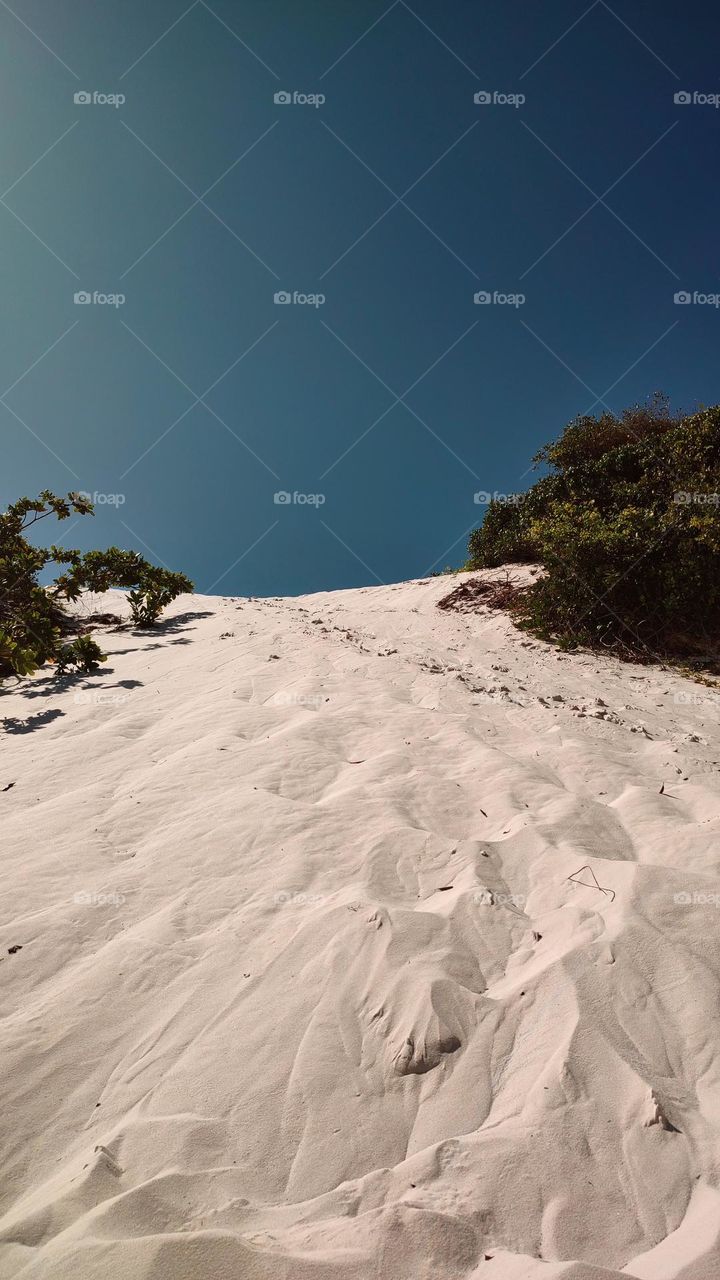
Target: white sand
[305, 991]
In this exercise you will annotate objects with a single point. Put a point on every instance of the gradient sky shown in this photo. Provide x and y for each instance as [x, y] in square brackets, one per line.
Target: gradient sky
[398, 398]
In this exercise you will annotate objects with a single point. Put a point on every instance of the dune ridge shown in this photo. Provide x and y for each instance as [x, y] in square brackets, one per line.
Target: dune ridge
[356, 938]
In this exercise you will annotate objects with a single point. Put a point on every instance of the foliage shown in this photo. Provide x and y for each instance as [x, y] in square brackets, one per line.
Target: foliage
[627, 525]
[83, 654]
[33, 618]
[152, 587]
[505, 536]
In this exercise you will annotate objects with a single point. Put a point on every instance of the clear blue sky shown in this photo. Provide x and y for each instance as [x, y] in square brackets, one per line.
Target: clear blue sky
[398, 198]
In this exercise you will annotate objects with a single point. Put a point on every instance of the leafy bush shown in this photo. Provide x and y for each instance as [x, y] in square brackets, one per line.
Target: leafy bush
[627, 525]
[33, 618]
[505, 536]
[152, 587]
[83, 654]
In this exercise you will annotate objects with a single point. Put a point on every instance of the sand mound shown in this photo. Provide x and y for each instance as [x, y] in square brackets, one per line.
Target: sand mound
[345, 937]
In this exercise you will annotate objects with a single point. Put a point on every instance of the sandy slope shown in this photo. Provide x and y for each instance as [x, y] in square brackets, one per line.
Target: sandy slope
[305, 991]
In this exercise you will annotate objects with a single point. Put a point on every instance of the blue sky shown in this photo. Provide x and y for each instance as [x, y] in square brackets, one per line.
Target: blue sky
[382, 398]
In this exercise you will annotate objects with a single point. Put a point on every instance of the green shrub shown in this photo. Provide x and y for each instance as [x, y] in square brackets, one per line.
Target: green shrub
[152, 587]
[33, 618]
[506, 534]
[83, 654]
[627, 525]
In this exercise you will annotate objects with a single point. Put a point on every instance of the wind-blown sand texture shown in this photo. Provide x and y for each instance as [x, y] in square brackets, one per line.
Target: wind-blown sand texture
[345, 937]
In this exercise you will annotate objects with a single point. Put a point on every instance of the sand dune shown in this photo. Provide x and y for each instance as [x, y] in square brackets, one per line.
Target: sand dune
[343, 937]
